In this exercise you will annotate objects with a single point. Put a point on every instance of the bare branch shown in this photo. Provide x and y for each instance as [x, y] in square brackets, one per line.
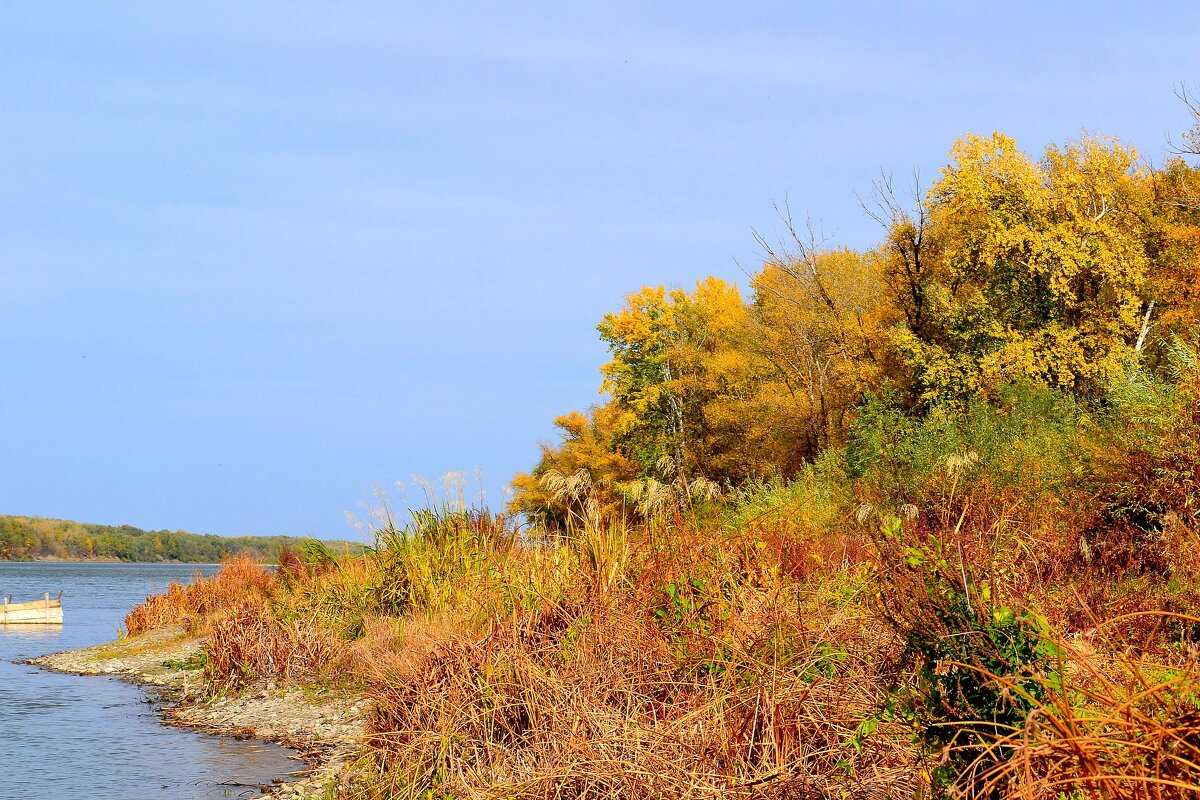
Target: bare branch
[907, 245]
[798, 256]
[1190, 144]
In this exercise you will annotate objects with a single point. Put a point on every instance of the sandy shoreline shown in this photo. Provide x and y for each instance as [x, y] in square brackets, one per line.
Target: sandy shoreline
[324, 726]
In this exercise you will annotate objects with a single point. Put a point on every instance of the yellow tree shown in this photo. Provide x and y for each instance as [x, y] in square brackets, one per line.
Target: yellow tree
[718, 375]
[821, 318]
[1042, 272]
[677, 370]
[679, 362]
[639, 377]
[1175, 276]
[576, 480]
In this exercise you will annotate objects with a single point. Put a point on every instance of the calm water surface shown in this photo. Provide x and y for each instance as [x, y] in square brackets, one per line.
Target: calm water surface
[70, 737]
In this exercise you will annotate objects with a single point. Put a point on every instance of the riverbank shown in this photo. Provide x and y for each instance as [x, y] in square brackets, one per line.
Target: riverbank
[43, 539]
[324, 726]
[736, 652]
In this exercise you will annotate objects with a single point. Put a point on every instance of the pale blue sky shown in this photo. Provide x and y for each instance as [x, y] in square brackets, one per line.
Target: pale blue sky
[258, 258]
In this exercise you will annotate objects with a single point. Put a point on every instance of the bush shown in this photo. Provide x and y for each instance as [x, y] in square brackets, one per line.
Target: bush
[1123, 728]
[1022, 447]
[240, 580]
[1144, 466]
[978, 666]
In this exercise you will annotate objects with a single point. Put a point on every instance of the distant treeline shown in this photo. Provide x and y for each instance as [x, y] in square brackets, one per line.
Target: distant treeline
[28, 538]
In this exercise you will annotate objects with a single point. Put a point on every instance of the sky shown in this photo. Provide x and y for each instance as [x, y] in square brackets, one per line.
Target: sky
[261, 261]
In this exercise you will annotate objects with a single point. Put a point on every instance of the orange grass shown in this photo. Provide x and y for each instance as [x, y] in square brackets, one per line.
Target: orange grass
[1125, 727]
[252, 644]
[745, 682]
[673, 660]
[552, 706]
[240, 580]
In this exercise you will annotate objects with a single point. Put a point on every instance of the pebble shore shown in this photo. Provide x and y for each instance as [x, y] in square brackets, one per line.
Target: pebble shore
[326, 727]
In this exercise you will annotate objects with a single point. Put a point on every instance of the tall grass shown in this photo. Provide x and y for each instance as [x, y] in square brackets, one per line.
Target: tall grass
[240, 582]
[941, 609]
[252, 643]
[642, 666]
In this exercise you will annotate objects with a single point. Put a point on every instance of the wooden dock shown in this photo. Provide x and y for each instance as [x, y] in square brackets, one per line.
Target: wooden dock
[46, 611]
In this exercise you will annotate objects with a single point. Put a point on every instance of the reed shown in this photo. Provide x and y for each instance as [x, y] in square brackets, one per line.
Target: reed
[819, 639]
[241, 580]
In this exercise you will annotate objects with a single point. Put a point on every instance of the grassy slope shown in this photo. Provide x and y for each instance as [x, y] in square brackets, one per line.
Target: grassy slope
[772, 660]
[1003, 603]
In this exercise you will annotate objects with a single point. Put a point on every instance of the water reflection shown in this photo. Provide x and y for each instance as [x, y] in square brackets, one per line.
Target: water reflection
[33, 630]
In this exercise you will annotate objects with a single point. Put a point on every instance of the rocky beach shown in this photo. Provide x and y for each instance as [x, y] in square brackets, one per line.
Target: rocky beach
[323, 725]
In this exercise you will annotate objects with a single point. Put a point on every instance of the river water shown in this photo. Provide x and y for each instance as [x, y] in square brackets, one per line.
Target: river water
[71, 737]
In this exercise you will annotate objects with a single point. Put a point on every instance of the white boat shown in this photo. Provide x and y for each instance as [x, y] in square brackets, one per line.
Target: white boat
[44, 611]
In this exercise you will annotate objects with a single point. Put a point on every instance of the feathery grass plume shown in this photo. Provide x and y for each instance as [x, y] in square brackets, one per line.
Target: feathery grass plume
[701, 488]
[575, 494]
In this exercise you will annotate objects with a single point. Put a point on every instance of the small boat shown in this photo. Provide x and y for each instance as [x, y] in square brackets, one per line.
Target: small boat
[44, 611]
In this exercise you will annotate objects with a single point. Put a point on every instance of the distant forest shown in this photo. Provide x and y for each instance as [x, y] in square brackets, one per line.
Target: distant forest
[30, 538]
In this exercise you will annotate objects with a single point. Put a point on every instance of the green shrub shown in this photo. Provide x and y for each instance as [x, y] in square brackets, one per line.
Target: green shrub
[1022, 446]
[976, 667]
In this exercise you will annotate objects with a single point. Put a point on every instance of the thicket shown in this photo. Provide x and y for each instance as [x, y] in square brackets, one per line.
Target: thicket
[914, 522]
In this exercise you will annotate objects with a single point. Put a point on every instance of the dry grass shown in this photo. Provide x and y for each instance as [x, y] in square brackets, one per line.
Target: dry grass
[683, 660]
[650, 665]
[240, 581]
[251, 644]
[596, 703]
[1121, 727]
[1111, 727]
[236, 610]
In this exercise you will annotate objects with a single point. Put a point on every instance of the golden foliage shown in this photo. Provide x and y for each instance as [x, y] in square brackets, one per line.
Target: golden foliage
[1063, 271]
[1043, 269]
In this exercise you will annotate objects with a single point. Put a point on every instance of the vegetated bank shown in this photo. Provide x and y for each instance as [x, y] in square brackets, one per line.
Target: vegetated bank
[913, 522]
[322, 724]
[37, 538]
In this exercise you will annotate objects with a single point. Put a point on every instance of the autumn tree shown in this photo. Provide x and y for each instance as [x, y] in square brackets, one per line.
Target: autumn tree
[1175, 252]
[1043, 268]
[575, 480]
[639, 377]
[1176, 275]
[680, 366]
[1064, 272]
[820, 318]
